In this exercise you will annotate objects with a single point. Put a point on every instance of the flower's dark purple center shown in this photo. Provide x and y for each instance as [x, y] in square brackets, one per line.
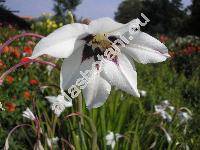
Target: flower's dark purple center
[97, 45]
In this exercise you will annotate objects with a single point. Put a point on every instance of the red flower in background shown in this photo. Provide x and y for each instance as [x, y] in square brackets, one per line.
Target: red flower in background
[25, 59]
[14, 97]
[27, 50]
[2, 65]
[189, 50]
[10, 106]
[163, 38]
[9, 79]
[27, 95]
[33, 82]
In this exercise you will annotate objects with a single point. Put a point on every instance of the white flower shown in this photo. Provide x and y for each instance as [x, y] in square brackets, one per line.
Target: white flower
[58, 104]
[161, 110]
[169, 139]
[28, 114]
[42, 88]
[111, 138]
[171, 108]
[165, 103]
[81, 45]
[167, 135]
[38, 146]
[49, 69]
[1, 107]
[143, 93]
[51, 141]
[184, 117]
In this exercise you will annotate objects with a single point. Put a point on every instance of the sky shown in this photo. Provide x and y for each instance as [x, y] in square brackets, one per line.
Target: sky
[92, 9]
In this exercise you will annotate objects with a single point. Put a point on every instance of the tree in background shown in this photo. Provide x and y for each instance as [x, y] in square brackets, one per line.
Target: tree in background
[128, 10]
[193, 23]
[8, 18]
[166, 16]
[61, 7]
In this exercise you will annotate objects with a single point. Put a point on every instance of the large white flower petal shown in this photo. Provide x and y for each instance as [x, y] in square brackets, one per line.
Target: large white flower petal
[84, 67]
[97, 90]
[128, 71]
[70, 67]
[133, 35]
[146, 49]
[145, 55]
[125, 28]
[103, 25]
[123, 75]
[145, 40]
[62, 42]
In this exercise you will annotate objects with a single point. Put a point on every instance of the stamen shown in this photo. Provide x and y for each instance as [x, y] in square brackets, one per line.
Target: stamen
[19, 36]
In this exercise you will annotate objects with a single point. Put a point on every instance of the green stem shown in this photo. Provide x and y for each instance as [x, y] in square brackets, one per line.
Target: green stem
[80, 124]
[80, 107]
[92, 127]
[54, 125]
[94, 133]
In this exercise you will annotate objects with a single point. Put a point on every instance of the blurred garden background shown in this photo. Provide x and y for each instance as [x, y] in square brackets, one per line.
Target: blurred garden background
[176, 81]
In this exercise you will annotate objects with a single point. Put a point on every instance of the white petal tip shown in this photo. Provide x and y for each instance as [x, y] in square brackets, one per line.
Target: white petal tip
[137, 95]
[167, 55]
[89, 107]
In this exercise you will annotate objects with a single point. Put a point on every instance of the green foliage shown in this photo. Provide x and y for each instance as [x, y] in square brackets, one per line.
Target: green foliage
[186, 55]
[128, 10]
[45, 24]
[61, 7]
[192, 24]
[165, 16]
[2, 5]
[7, 17]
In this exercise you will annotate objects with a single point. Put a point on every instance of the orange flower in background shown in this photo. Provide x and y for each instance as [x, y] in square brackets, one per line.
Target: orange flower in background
[6, 49]
[9, 79]
[10, 106]
[16, 53]
[2, 65]
[27, 95]
[33, 82]
[27, 50]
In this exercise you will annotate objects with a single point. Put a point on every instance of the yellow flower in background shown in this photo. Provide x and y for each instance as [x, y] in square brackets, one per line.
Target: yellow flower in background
[60, 24]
